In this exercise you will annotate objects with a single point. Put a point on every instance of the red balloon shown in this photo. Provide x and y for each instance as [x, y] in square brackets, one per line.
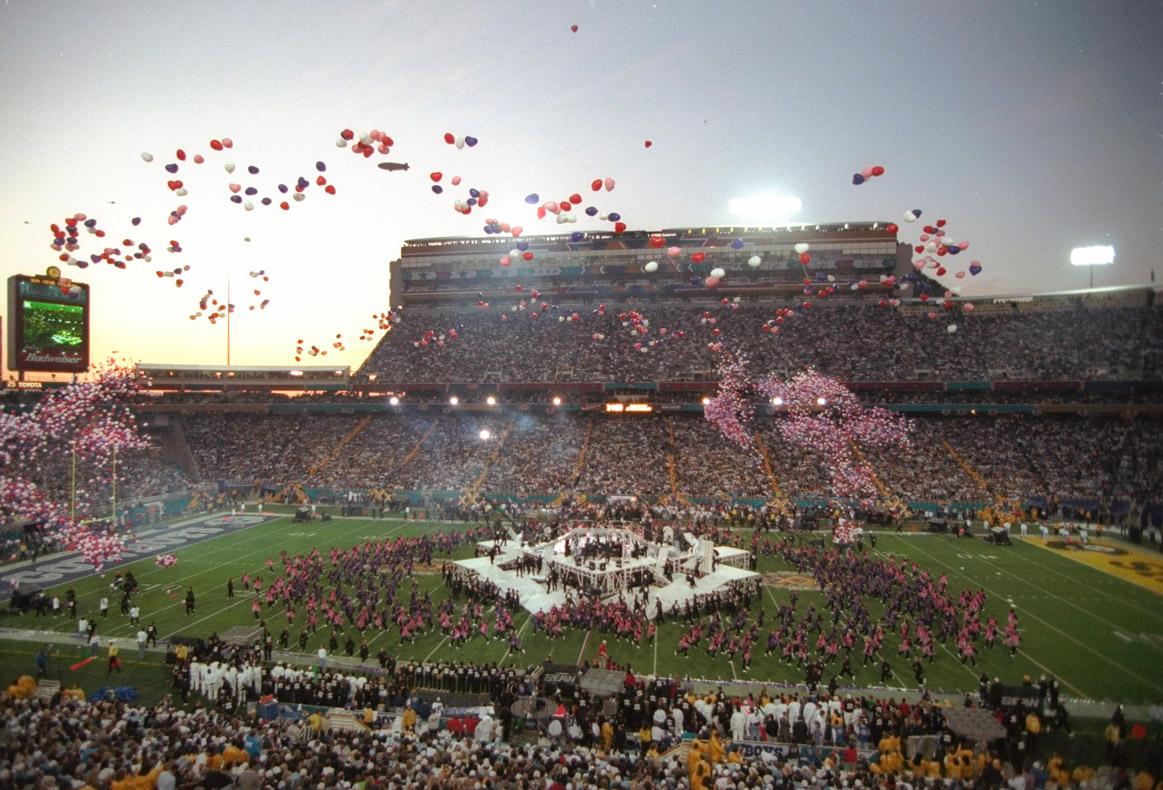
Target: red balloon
[699, 257]
[596, 185]
[619, 227]
[648, 143]
[181, 155]
[448, 138]
[878, 171]
[805, 259]
[436, 176]
[573, 28]
[893, 228]
[657, 241]
[575, 199]
[527, 255]
[216, 145]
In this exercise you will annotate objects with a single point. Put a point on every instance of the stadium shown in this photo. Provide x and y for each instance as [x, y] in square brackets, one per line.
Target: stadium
[517, 513]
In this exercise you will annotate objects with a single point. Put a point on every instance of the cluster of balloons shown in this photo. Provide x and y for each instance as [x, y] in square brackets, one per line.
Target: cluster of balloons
[867, 174]
[165, 560]
[822, 416]
[89, 419]
[460, 142]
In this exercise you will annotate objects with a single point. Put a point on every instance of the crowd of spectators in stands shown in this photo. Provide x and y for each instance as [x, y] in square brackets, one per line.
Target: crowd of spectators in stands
[849, 342]
[1018, 457]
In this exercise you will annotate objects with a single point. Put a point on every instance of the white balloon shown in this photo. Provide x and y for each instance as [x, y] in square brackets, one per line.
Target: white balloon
[651, 267]
[718, 273]
[951, 328]
[229, 167]
[754, 261]
[341, 143]
[460, 143]
[248, 206]
[801, 248]
[909, 217]
[181, 192]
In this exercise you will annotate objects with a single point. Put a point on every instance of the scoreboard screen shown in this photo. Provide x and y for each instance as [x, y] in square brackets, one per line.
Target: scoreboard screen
[48, 324]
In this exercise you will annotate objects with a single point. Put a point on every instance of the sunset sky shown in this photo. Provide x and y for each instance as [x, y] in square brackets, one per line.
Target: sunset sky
[1032, 127]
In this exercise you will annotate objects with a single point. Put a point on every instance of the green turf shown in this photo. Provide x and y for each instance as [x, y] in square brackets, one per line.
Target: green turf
[150, 677]
[1100, 635]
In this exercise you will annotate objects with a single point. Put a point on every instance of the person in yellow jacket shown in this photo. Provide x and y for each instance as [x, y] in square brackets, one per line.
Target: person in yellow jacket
[409, 720]
[716, 751]
[1057, 769]
[693, 758]
[1144, 780]
[644, 737]
[146, 779]
[700, 775]
[607, 736]
[114, 661]
[1083, 773]
[121, 781]
[232, 755]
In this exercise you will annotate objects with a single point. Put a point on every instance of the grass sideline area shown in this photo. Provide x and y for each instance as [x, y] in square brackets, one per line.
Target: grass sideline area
[1099, 634]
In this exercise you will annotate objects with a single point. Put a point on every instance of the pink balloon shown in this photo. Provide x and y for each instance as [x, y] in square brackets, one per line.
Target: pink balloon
[866, 172]
[960, 275]
[609, 184]
[711, 282]
[674, 252]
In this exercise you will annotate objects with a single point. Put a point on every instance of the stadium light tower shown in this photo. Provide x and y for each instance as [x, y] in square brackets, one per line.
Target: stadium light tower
[1092, 256]
[766, 209]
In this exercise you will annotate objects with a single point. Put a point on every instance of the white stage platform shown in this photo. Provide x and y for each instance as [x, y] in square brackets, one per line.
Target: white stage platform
[727, 571]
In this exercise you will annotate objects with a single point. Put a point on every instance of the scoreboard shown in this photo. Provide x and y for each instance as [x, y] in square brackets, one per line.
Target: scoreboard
[48, 323]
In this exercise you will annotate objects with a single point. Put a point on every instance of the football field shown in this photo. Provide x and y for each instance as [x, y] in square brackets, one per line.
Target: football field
[1100, 633]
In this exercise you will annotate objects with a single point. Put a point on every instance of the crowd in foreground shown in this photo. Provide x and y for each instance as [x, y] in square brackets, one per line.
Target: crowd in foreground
[71, 744]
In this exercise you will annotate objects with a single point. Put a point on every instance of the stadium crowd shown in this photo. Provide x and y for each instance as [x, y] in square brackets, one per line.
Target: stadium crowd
[1039, 458]
[852, 342]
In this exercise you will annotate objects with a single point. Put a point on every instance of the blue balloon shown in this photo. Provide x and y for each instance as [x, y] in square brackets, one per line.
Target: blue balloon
[236, 198]
[71, 230]
[171, 168]
[303, 183]
[592, 211]
[266, 201]
[82, 264]
[532, 199]
[696, 280]
[474, 192]
[488, 229]
[252, 170]
[437, 188]
[522, 245]
[820, 277]
[90, 223]
[917, 213]
[136, 220]
[575, 236]
[952, 249]
[470, 141]
[857, 179]
[251, 191]
[471, 201]
[320, 167]
[737, 244]
[614, 216]
[283, 188]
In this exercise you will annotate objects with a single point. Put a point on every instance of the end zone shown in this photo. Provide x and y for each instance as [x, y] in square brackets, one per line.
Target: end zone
[1125, 562]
